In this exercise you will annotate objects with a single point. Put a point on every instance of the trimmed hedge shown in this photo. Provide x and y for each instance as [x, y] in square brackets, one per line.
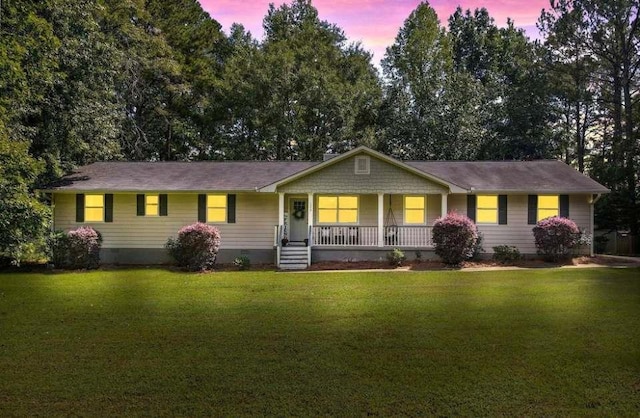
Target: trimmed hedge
[455, 237]
[555, 237]
[196, 247]
[76, 249]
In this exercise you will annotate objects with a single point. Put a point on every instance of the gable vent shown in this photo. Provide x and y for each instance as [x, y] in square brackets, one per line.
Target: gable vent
[362, 165]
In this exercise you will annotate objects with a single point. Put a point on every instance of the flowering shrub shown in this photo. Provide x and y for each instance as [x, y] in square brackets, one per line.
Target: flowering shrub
[196, 246]
[76, 249]
[455, 237]
[555, 236]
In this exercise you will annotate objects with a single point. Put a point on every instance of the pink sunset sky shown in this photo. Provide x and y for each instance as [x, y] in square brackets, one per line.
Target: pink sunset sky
[375, 23]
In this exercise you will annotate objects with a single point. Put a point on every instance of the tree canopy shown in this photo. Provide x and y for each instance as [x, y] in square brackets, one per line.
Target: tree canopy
[84, 81]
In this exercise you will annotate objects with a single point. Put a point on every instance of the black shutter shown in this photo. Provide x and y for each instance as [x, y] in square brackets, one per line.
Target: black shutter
[202, 208]
[564, 205]
[532, 215]
[164, 210]
[80, 207]
[502, 209]
[231, 208]
[471, 207]
[108, 207]
[140, 210]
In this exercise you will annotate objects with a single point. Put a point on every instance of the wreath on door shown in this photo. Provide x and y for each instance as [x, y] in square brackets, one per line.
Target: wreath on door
[299, 214]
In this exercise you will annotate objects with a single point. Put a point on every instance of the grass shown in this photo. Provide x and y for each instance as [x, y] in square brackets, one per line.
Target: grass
[130, 342]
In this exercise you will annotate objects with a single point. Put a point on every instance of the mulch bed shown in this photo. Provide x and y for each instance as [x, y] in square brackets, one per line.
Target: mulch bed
[438, 265]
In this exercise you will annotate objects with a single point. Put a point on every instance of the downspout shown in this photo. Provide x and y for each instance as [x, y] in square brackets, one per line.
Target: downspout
[591, 225]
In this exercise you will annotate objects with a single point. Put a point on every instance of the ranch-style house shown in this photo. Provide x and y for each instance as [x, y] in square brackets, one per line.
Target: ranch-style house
[356, 205]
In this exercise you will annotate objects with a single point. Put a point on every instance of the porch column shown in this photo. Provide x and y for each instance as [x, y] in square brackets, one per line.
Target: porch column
[380, 219]
[310, 213]
[591, 205]
[443, 209]
[280, 209]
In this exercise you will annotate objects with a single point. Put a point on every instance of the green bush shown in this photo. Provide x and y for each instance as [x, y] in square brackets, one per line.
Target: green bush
[506, 254]
[76, 249]
[396, 257]
[455, 238]
[243, 262]
[196, 247]
[555, 237]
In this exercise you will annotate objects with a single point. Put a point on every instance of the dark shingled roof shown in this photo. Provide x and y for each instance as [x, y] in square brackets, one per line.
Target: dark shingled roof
[509, 176]
[524, 176]
[179, 176]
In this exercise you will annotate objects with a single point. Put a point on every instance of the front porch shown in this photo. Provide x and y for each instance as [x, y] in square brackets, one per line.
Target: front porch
[367, 222]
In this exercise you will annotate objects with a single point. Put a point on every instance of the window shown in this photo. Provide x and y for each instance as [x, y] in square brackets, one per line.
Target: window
[487, 209]
[338, 209]
[548, 206]
[94, 208]
[216, 208]
[362, 165]
[414, 210]
[151, 204]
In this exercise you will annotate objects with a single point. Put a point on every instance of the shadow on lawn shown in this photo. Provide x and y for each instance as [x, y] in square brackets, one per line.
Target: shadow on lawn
[394, 344]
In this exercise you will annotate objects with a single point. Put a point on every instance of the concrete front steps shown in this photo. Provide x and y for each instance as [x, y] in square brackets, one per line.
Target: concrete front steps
[293, 257]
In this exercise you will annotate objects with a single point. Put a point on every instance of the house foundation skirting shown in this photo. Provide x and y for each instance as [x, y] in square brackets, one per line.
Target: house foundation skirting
[160, 255]
[368, 254]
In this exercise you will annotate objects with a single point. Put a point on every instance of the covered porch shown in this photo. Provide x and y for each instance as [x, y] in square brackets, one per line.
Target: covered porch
[357, 220]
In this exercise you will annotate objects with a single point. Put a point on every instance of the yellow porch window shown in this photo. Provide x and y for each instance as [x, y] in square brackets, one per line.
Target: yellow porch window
[548, 206]
[414, 210]
[94, 208]
[216, 208]
[338, 209]
[487, 209]
[151, 204]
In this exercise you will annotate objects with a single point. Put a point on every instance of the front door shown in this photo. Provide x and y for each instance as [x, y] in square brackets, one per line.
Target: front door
[298, 219]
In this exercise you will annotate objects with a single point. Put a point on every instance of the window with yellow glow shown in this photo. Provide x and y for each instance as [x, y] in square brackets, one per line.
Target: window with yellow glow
[487, 209]
[151, 203]
[548, 206]
[338, 209]
[216, 208]
[94, 208]
[414, 209]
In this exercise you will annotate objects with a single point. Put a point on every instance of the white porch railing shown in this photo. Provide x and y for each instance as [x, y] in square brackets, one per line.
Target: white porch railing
[407, 236]
[340, 236]
[367, 236]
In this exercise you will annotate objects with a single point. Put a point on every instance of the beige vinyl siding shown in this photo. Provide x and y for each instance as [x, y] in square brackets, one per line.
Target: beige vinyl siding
[518, 232]
[341, 178]
[256, 215]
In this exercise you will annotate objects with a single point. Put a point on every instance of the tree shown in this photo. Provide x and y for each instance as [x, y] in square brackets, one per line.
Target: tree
[416, 68]
[609, 32]
[23, 218]
[304, 91]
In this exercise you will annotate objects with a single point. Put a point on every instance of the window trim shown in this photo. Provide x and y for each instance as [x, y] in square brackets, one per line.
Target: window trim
[365, 158]
[226, 208]
[337, 209]
[404, 210]
[146, 205]
[538, 207]
[497, 209]
[102, 218]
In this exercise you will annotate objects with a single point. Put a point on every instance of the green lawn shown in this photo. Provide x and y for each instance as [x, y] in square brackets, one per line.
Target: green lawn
[540, 342]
